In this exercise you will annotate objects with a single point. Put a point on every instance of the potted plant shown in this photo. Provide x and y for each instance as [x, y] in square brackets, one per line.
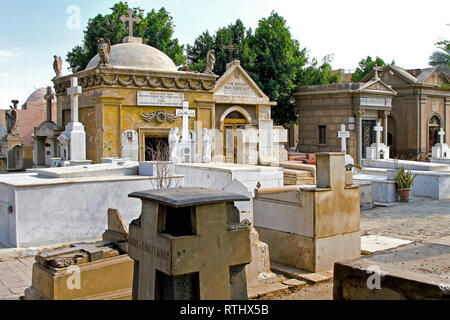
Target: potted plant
[404, 181]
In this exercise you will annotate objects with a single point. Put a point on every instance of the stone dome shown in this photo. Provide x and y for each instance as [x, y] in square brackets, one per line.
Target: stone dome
[136, 56]
[37, 96]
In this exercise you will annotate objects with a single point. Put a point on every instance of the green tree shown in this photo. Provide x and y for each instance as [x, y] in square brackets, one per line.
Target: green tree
[271, 56]
[441, 57]
[316, 74]
[366, 66]
[278, 60]
[234, 34]
[156, 29]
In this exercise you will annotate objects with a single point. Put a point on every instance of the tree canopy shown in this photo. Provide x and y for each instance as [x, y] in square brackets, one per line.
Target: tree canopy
[156, 30]
[441, 57]
[366, 66]
[271, 56]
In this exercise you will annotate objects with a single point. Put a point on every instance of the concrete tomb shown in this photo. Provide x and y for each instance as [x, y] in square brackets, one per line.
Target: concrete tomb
[83, 271]
[311, 227]
[189, 244]
[417, 271]
[61, 205]
[241, 179]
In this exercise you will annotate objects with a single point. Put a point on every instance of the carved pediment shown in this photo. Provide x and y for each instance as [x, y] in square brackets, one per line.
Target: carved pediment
[237, 82]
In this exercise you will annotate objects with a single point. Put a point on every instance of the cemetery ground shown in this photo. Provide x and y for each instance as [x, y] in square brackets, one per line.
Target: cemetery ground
[419, 220]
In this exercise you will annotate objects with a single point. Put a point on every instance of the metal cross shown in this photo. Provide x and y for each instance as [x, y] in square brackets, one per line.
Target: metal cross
[130, 21]
[230, 47]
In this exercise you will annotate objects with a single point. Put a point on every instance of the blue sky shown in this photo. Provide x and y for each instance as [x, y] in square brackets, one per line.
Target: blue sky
[32, 31]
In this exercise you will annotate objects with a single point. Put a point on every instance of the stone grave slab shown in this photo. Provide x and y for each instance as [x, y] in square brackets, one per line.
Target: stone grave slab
[374, 243]
[418, 271]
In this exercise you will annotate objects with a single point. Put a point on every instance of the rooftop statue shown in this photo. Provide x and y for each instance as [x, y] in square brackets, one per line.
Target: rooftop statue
[104, 51]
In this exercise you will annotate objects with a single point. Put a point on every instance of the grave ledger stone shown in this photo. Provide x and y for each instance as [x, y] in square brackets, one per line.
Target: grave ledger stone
[188, 244]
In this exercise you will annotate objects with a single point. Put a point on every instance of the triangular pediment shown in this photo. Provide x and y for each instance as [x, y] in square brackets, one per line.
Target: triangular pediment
[237, 82]
[377, 85]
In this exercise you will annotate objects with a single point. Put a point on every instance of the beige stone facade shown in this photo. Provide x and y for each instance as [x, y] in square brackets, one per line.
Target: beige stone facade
[324, 108]
[420, 108]
[122, 97]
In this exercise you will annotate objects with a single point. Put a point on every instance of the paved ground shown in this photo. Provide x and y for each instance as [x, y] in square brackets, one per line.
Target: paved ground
[15, 277]
[416, 221]
[427, 220]
[421, 220]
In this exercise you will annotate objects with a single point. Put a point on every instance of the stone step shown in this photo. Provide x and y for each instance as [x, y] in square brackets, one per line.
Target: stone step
[302, 275]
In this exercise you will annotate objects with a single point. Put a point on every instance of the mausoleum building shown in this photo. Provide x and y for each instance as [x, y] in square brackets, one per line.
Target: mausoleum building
[419, 110]
[129, 104]
[323, 109]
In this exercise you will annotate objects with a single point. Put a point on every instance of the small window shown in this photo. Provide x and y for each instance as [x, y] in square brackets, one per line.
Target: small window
[322, 135]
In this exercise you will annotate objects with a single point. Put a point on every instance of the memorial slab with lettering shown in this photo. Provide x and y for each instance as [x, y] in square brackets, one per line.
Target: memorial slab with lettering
[188, 244]
[160, 99]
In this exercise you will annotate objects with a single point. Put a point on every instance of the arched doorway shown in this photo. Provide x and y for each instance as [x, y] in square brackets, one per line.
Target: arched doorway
[233, 119]
[433, 129]
[392, 137]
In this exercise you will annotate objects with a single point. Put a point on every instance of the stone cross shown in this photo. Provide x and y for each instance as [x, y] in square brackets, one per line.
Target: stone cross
[73, 92]
[344, 135]
[377, 69]
[130, 21]
[378, 129]
[186, 114]
[441, 134]
[49, 98]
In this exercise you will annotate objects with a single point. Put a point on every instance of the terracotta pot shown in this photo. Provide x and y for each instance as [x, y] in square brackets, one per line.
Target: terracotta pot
[404, 194]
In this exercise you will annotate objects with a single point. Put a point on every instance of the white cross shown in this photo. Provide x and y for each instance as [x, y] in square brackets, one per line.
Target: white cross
[441, 134]
[130, 21]
[344, 135]
[378, 129]
[186, 114]
[73, 92]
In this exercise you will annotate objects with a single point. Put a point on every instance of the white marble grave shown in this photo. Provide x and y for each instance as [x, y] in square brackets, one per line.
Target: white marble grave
[60, 205]
[378, 150]
[441, 151]
[73, 139]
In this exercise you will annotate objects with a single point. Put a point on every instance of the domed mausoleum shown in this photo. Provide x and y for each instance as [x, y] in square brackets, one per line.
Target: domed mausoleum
[132, 96]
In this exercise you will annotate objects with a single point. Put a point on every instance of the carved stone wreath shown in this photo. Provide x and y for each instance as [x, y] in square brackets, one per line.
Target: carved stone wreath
[159, 116]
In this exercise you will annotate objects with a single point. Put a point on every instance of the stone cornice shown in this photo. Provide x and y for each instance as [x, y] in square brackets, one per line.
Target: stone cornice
[137, 78]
